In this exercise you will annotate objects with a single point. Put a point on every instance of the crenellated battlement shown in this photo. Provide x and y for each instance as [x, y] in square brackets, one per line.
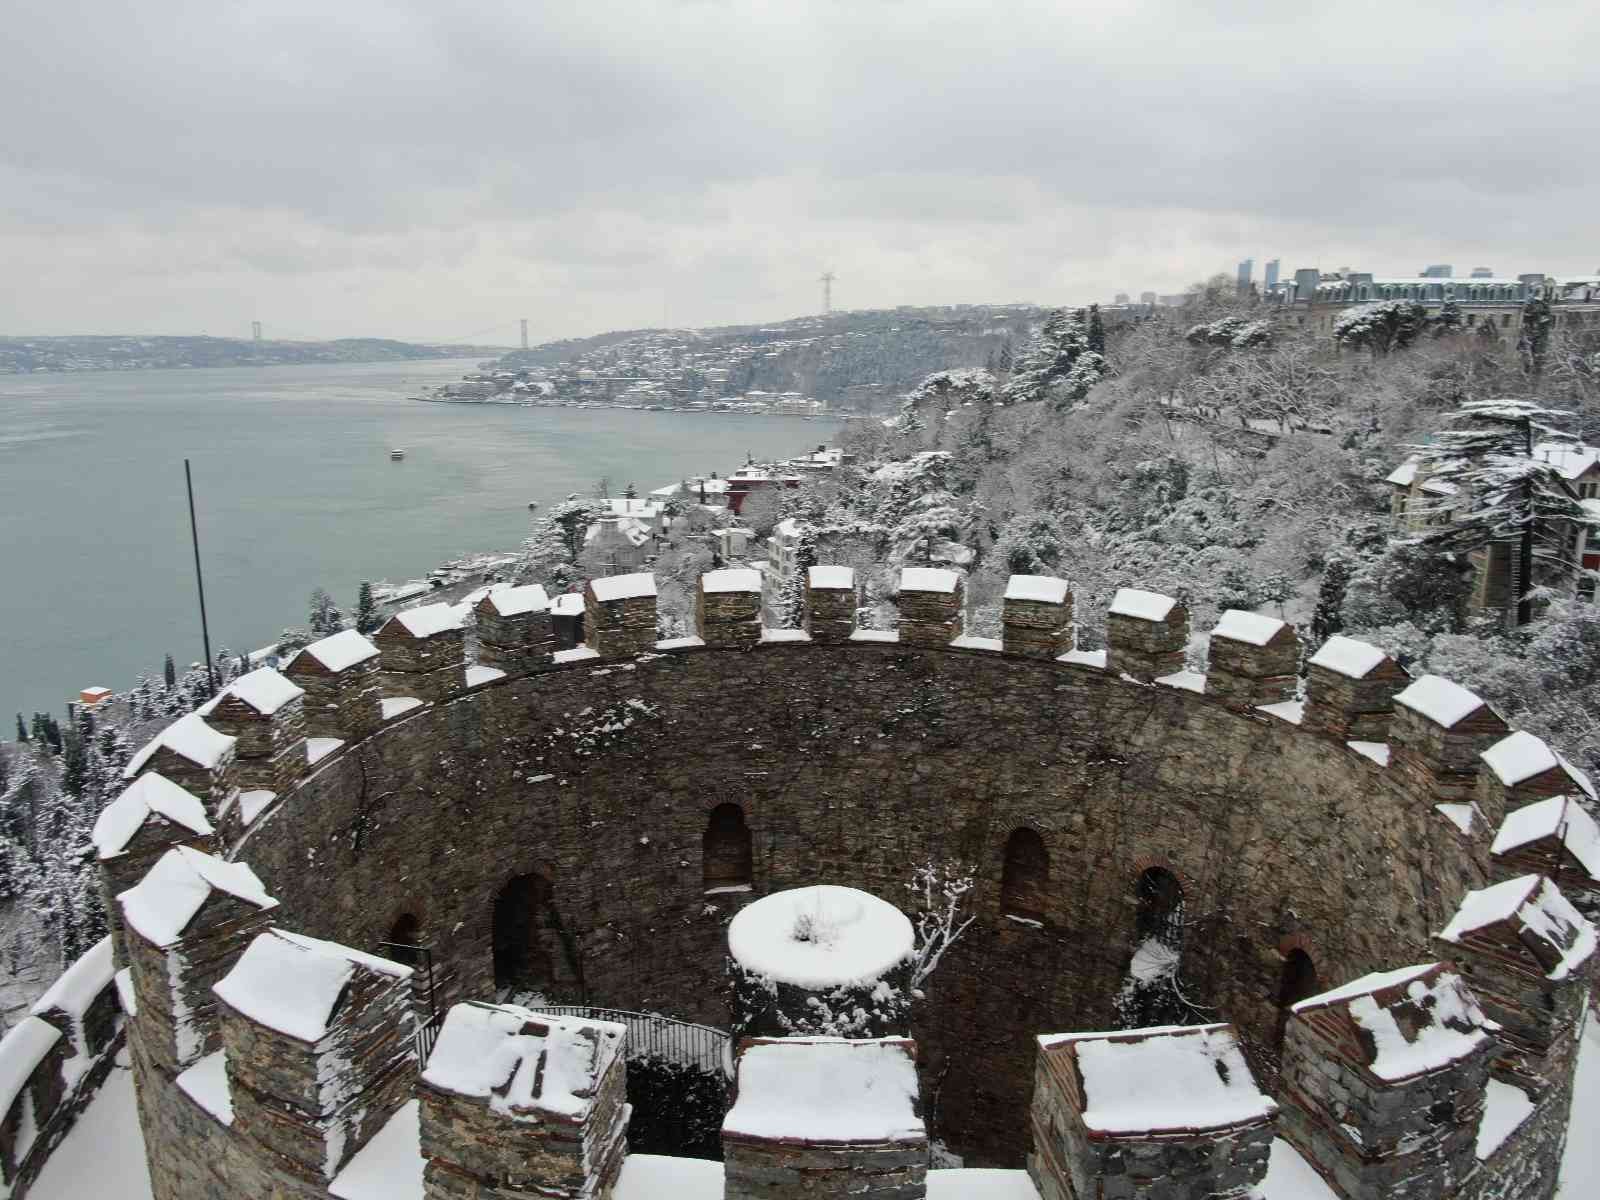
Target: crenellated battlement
[269, 1059]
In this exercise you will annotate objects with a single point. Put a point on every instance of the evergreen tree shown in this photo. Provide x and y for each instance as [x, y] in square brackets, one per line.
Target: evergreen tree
[367, 618]
[169, 671]
[325, 619]
[1058, 362]
[1449, 319]
[52, 732]
[1003, 363]
[1380, 327]
[74, 764]
[1328, 619]
[1534, 338]
[1097, 330]
[1499, 490]
[791, 605]
[5, 771]
[22, 730]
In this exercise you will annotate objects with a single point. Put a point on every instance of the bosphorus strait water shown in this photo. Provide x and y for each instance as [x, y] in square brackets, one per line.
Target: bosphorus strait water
[295, 490]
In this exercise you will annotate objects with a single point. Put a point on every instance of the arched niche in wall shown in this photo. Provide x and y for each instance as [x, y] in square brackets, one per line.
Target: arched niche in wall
[725, 852]
[1025, 875]
[534, 953]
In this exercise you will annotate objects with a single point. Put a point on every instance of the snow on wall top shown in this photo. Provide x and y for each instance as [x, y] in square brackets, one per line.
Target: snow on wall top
[81, 983]
[1348, 657]
[161, 905]
[1418, 1019]
[827, 1090]
[624, 587]
[1441, 701]
[1519, 756]
[151, 793]
[514, 602]
[341, 650]
[1042, 589]
[522, 1060]
[568, 604]
[928, 579]
[292, 983]
[429, 619]
[21, 1052]
[840, 578]
[1545, 818]
[1362, 986]
[732, 579]
[1252, 628]
[1141, 605]
[189, 737]
[265, 690]
[1554, 932]
[1192, 1077]
[819, 937]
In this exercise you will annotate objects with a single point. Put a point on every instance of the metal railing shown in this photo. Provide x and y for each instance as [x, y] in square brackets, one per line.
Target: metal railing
[651, 1035]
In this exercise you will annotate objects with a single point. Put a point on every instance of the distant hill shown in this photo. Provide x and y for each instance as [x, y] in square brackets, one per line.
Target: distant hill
[118, 353]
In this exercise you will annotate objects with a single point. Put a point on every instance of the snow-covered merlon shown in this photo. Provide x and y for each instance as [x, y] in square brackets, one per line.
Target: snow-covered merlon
[190, 738]
[929, 579]
[23, 1048]
[293, 984]
[524, 1063]
[149, 795]
[1348, 657]
[1141, 605]
[80, 985]
[731, 579]
[1520, 756]
[1038, 589]
[829, 1090]
[265, 690]
[1253, 629]
[428, 620]
[1556, 816]
[161, 905]
[518, 601]
[832, 578]
[339, 651]
[624, 587]
[1414, 1020]
[1190, 1078]
[1534, 913]
[1439, 700]
[820, 937]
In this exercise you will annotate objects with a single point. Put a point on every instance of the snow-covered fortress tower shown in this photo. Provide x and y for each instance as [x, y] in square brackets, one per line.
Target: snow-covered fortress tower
[323, 882]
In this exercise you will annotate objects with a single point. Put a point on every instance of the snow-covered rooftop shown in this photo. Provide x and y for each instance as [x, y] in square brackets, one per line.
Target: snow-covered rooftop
[1405, 474]
[1254, 629]
[293, 983]
[514, 602]
[1547, 924]
[265, 690]
[1348, 657]
[1042, 589]
[429, 619]
[341, 650]
[624, 587]
[161, 905]
[151, 793]
[1519, 756]
[1441, 701]
[1141, 605]
[188, 737]
[1547, 818]
[1570, 459]
[839, 578]
[731, 579]
[81, 983]
[1172, 1077]
[821, 936]
[519, 1059]
[928, 579]
[827, 1090]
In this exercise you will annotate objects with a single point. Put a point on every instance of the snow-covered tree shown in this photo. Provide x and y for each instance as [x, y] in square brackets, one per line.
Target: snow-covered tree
[1058, 364]
[791, 601]
[367, 618]
[1533, 339]
[1382, 326]
[550, 555]
[324, 617]
[940, 892]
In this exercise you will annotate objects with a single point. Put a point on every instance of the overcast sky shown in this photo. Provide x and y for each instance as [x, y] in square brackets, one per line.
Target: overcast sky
[438, 170]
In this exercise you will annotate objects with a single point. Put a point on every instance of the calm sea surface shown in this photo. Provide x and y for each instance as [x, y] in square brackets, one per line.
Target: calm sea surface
[295, 490]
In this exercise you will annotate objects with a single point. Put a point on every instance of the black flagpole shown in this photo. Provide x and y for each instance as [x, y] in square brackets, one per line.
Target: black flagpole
[199, 581]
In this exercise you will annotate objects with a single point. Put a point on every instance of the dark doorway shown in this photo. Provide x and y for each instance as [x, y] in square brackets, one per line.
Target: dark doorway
[1298, 981]
[1160, 908]
[725, 849]
[533, 950]
[404, 943]
[1025, 876]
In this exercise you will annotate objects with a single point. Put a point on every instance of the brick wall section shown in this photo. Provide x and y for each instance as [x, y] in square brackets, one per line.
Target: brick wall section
[851, 762]
[731, 618]
[1146, 649]
[430, 668]
[1441, 765]
[830, 613]
[929, 618]
[1036, 628]
[1353, 709]
[121, 871]
[212, 785]
[270, 749]
[619, 628]
[514, 644]
[1244, 674]
[340, 704]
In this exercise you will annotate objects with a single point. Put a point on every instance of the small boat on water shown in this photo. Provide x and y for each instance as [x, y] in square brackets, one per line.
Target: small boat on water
[396, 455]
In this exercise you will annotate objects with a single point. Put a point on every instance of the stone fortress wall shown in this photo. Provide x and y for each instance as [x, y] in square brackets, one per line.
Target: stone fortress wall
[604, 775]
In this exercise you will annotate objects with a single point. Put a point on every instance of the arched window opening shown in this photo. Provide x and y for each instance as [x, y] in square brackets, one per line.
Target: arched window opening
[1160, 908]
[725, 850]
[1025, 876]
[535, 956]
[1299, 979]
[404, 943]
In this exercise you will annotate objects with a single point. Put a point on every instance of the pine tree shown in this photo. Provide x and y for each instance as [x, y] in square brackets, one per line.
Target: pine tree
[791, 605]
[1058, 361]
[22, 730]
[52, 732]
[1449, 319]
[1498, 490]
[1534, 338]
[1097, 330]
[1003, 363]
[74, 764]
[367, 618]
[325, 619]
[169, 671]
[1328, 619]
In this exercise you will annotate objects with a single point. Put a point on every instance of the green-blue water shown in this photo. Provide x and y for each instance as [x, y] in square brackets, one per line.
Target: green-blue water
[295, 490]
